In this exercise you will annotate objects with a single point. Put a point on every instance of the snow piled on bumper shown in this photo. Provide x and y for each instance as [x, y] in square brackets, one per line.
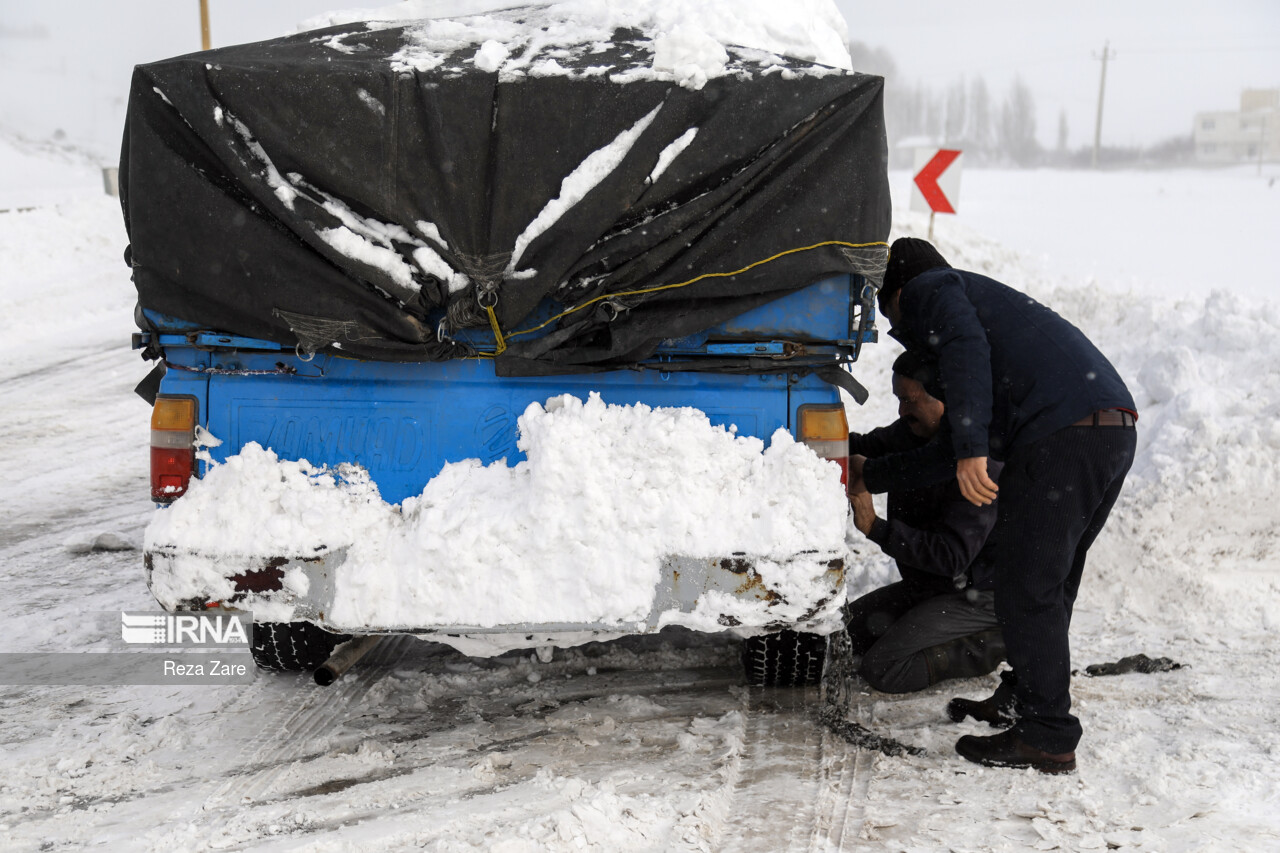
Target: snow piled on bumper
[575, 534]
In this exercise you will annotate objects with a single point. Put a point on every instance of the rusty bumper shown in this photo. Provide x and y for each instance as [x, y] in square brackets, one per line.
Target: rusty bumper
[738, 592]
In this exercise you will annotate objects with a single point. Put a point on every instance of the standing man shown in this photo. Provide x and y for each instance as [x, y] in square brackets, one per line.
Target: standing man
[1022, 385]
[939, 620]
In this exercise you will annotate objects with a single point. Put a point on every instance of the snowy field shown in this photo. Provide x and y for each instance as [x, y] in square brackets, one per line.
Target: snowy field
[654, 745]
[1165, 232]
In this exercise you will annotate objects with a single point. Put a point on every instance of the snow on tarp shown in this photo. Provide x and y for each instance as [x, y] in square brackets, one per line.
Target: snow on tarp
[555, 539]
[366, 186]
[812, 30]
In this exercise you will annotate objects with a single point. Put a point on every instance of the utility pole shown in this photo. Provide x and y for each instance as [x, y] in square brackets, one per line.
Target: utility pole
[204, 25]
[1107, 54]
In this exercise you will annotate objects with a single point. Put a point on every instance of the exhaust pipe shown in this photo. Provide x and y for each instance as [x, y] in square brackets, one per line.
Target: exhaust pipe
[343, 657]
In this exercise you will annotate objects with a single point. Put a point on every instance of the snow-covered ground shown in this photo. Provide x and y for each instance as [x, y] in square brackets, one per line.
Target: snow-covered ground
[1177, 232]
[44, 172]
[654, 745]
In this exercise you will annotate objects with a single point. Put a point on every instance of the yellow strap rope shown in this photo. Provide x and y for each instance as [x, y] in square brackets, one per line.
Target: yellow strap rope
[502, 342]
[497, 331]
[697, 279]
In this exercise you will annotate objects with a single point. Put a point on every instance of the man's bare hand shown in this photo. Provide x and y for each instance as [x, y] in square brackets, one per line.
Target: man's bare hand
[977, 488]
[864, 512]
[856, 485]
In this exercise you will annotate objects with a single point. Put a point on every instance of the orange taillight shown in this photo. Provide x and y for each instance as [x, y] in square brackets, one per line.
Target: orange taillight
[826, 430]
[174, 413]
[173, 431]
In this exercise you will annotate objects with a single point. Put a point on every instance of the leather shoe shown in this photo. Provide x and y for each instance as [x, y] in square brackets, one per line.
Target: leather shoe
[996, 710]
[1008, 750]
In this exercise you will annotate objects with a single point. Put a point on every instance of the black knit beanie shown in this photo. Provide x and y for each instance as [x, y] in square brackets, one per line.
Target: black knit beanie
[908, 257]
[913, 365]
[923, 369]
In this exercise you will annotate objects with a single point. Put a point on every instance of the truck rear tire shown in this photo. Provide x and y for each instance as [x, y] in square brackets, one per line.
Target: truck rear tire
[293, 646]
[785, 659]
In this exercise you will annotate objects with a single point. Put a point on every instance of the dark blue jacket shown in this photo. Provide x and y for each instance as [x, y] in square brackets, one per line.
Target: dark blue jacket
[939, 540]
[1011, 371]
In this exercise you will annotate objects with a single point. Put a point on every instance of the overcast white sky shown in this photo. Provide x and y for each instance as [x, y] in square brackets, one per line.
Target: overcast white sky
[1174, 58]
[66, 63]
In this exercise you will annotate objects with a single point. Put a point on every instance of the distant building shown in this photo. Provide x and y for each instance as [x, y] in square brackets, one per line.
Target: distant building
[1246, 136]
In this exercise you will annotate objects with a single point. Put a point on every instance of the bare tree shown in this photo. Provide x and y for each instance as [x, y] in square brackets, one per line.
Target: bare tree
[901, 104]
[899, 112]
[979, 123]
[1017, 131]
[1062, 132]
[963, 114]
[935, 112]
[873, 60]
[954, 129]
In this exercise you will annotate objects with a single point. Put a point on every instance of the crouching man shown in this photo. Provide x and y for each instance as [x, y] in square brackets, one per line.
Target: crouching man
[939, 621]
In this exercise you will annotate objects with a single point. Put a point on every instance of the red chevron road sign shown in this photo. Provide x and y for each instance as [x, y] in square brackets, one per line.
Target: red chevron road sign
[936, 185]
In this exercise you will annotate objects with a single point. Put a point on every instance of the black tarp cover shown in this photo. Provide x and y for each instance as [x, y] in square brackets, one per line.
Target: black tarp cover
[292, 191]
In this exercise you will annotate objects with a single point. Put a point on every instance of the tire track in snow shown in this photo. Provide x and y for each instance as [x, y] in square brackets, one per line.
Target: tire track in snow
[844, 779]
[801, 788]
[442, 795]
[89, 354]
[285, 739]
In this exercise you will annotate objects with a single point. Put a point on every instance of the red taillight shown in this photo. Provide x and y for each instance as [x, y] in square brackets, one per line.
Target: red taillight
[170, 472]
[173, 458]
[826, 430]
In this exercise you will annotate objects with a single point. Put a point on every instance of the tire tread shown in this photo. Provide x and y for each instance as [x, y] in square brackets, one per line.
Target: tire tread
[292, 646]
[784, 659]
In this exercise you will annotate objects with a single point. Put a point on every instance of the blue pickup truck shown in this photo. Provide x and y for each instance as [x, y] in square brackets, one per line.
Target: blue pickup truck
[345, 266]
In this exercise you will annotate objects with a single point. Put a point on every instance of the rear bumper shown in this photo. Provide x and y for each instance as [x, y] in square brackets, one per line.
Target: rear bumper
[748, 595]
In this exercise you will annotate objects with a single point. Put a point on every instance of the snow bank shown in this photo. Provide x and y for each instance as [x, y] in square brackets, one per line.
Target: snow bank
[61, 298]
[574, 534]
[44, 172]
[687, 40]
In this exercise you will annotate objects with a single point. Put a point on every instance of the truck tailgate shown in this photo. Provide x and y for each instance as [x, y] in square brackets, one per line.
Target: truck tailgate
[403, 422]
